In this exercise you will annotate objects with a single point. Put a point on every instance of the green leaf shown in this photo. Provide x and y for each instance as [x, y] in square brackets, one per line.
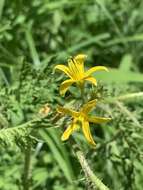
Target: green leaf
[118, 76]
[126, 62]
[2, 2]
[57, 154]
[32, 47]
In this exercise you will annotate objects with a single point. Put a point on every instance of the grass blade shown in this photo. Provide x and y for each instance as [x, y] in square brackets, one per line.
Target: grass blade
[32, 47]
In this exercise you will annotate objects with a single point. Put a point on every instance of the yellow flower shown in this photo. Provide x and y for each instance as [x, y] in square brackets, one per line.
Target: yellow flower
[76, 72]
[81, 119]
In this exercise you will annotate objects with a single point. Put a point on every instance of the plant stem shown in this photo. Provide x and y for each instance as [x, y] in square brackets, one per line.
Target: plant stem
[82, 93]
[130, 96]
[27, 168]
[87, 170]
[84, 164]
[125, 97]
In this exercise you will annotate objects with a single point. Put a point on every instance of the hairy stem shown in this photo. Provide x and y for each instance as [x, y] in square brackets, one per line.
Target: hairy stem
[27, 168]
[98, 184]
[125, 97]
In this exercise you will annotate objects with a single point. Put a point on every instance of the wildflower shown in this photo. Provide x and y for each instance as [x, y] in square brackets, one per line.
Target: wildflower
[76, 72]
[81, 119]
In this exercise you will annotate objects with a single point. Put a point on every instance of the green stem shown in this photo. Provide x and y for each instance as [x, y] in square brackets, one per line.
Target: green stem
[82, 93]
[125, 97]
[130, 96]
[82, 160]
[27, 168]
[87, 170]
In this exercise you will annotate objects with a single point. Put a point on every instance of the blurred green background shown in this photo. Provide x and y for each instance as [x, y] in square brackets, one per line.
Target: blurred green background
[35, 36]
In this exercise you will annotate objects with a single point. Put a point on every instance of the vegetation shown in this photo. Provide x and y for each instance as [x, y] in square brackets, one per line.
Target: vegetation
[36, 36]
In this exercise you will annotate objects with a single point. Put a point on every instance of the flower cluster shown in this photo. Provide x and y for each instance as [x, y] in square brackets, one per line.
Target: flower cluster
[77, 74]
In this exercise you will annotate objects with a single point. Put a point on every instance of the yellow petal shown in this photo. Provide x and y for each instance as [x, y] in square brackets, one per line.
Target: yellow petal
[63, 68]
[73, 69]
[92, 80]
[94, 69]
[98, 120]
[80, 58]
[68, 132]
[67, 111]
[88, 106]
[65, 85]
[87, 133]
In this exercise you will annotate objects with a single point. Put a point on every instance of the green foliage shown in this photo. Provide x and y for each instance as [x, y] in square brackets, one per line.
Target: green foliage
[34, 36]
[14, 135]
